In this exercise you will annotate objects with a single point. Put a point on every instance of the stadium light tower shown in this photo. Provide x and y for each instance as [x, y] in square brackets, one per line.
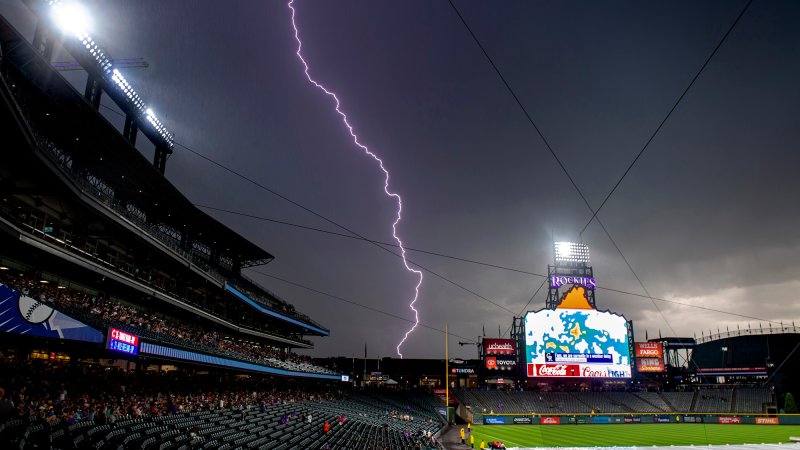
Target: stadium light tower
[71, 17]
[571, 267]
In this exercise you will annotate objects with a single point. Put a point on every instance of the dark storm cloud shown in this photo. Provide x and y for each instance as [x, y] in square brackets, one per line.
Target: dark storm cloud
[707, 217]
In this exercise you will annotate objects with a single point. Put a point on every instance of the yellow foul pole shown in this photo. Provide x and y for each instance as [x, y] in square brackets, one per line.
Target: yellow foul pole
[446, 374]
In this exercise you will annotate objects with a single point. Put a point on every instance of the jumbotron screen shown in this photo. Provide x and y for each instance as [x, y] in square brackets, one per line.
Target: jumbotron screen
[577, 341]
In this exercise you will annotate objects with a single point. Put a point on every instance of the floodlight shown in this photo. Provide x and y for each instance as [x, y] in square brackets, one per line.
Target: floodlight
[72, 18]
[571, 252]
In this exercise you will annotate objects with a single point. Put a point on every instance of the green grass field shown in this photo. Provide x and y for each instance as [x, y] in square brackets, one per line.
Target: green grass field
[632, 435]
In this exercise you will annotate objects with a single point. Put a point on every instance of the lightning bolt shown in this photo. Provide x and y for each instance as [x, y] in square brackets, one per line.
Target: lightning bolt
[367, 151]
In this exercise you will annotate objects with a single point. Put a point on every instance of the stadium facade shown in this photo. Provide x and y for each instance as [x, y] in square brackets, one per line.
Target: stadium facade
[85, 215]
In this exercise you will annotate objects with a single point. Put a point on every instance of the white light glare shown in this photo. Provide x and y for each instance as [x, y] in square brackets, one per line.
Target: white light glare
[72, 18]
[571, 252]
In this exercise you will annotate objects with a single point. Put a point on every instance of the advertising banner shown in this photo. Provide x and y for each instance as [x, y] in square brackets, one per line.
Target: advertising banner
[550, 420]
[494, 420]
[25, 315]
[729, 419]
[500, 362]
[661, 419]
[648, 350]
[650, 364]
[601, 419]
[493, 346]
[522, 420]
[632, 419]
[767, 421]
[692, 419]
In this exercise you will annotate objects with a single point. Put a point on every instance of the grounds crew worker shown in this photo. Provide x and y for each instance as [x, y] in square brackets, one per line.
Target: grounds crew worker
[483, 445]
[472, 441]
[462, 435]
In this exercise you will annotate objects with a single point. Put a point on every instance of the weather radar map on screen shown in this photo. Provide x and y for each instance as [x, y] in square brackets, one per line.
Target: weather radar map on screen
[576, 340]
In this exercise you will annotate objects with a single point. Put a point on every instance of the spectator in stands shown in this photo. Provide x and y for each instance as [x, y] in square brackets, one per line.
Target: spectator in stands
[326, 427]
[6, 406]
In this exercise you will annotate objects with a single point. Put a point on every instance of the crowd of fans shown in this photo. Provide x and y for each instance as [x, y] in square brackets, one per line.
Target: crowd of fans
[112, 312]
[68, 393]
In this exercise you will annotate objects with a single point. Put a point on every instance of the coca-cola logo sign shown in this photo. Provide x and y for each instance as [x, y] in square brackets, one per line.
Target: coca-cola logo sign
[554, 370]
[550, 420]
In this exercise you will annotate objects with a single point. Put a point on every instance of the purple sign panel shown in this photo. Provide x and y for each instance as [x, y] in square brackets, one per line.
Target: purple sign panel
[556, 281]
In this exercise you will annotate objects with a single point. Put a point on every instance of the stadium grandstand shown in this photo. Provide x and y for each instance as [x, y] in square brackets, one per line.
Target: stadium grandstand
[90, 214]
[59, 406]
[130, 323]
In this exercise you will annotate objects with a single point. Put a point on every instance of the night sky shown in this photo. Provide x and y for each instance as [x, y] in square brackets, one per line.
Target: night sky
[709, 215]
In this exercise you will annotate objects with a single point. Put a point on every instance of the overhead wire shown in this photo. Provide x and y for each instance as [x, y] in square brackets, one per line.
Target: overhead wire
[331, 221]
[352, 302]
[477, 262]
[669, 113]
[381, 245]
[558, 160]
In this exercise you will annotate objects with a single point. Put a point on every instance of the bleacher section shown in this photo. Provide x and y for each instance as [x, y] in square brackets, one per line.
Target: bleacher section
[752, 399]
[704, 400]
[366, 424]
[680, 401]
[653, 398]
[103, 313]
[713, 400]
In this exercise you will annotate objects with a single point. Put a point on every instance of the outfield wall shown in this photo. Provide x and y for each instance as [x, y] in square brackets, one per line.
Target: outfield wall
[613, 419]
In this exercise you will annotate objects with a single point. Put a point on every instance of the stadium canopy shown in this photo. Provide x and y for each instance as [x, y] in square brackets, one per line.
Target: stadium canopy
[97, 146]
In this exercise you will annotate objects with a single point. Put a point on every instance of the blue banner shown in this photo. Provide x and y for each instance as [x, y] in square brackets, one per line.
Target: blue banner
[494, 420]
[21, 314]
[577, 358]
